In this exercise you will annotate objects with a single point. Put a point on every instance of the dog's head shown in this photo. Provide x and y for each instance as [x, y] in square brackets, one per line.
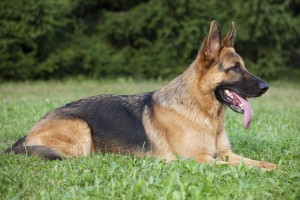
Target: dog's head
[220, 65]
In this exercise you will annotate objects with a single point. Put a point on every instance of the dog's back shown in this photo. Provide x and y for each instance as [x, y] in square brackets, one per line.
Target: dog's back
[108, 123]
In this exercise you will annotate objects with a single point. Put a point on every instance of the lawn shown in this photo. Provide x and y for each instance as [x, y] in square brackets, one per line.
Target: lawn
[274, 137]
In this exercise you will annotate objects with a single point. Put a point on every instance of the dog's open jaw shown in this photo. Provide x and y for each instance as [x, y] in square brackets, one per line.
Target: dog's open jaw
[238, 104]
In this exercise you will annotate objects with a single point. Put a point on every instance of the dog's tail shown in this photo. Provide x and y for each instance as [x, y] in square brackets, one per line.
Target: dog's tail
[39, 151]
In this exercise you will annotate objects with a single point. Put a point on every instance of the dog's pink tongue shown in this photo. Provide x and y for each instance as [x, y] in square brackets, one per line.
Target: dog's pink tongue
[247, 111]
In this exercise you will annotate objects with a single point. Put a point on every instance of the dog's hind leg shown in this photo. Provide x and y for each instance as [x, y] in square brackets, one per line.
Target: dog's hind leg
[56, 139]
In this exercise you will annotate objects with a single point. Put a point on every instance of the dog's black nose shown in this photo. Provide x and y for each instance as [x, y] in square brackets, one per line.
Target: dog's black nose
[263, 86]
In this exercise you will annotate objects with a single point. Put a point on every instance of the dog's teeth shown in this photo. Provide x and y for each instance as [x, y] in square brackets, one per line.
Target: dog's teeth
[229, 94]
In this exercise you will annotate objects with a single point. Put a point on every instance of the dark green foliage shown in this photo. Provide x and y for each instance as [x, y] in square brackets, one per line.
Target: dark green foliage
[29, 32]
[269, 35]
[140, 39]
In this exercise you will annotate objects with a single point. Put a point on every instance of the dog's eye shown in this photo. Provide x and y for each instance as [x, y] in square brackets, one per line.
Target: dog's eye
[236, 67]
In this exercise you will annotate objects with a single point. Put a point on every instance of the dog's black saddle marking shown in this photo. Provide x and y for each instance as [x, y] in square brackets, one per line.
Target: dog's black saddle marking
[113, 119]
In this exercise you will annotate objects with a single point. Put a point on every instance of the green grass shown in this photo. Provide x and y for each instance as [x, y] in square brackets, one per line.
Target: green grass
[274, 136]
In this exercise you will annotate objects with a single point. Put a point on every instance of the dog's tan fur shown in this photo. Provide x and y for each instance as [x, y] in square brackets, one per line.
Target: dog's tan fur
[191, 121]
[69, 137]
[185, 117]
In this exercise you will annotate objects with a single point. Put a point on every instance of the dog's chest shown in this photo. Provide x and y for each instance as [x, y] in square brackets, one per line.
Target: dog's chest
[188, 133]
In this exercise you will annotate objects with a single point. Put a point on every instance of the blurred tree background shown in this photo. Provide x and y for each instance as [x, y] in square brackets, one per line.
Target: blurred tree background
[46, 39]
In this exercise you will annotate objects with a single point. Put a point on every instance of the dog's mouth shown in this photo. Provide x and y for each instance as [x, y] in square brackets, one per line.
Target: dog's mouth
[237, 103]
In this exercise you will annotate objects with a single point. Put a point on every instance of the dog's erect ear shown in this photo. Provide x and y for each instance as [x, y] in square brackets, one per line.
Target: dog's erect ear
[213, 39]
[229, 38]
[211, 47]
[212, 44]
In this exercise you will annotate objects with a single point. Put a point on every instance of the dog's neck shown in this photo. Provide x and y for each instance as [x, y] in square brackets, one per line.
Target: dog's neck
[186, 91]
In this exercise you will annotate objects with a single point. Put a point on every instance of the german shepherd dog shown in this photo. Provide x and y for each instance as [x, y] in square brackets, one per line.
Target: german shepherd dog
[185, 117]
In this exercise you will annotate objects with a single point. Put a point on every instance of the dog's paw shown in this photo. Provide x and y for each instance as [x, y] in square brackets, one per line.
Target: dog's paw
[267, 166]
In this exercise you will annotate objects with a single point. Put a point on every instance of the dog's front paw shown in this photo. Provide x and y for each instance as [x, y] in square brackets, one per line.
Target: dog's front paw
[267, 166]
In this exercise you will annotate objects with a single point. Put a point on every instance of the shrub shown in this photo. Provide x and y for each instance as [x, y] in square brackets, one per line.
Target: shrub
[30, 31]
[41, 39]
